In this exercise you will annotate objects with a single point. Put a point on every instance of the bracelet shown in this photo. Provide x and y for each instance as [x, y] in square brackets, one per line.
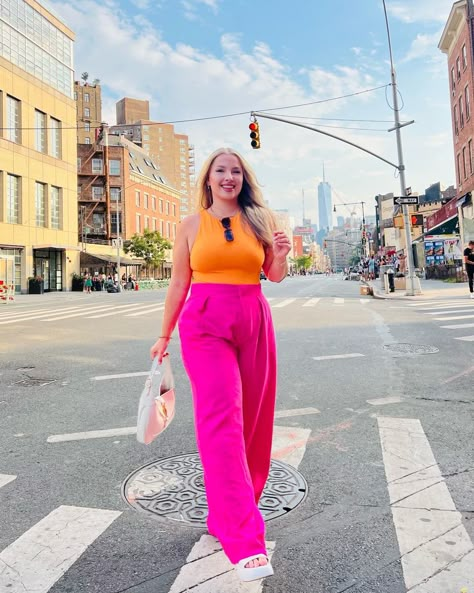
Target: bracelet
[166, 337]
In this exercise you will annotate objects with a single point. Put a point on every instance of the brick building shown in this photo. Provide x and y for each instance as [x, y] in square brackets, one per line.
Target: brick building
[88, 98]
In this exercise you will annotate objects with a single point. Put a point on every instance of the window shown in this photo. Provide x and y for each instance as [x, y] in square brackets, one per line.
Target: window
[461, 113]
[54, 207]
[161, 206]
[168, 230]
[115, 194]
[458, 163]
[87, 140]
[153, 203]
[97, 192]
[137, 198]
[55, 137]
[154, 224]
[469, 155]
[87, 126]
[137, 223]
[86, 97]
[147, 222]
[40, 131]
[456, 127]
[96, 165]
[13, 120]
[458, 68]
[79, 163]
[87, 112]
[114, 166]
[113, 222]
[13, 199]
[467, 103]
[145, 201]
[79, 190]
[75, 95]
[464, 162]
[174, 230]
[140, 170]
[40, 206]
[162, 228]
[174, 209]
[464, 57]
[167, 208]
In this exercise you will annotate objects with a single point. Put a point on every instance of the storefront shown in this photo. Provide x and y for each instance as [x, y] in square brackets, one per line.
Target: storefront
[12, 255]
[48, 264]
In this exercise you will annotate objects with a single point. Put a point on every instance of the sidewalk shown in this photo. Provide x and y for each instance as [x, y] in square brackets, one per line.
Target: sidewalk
[430, 289]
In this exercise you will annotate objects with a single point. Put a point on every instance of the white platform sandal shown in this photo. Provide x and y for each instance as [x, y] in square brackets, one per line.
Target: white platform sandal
[247, 574]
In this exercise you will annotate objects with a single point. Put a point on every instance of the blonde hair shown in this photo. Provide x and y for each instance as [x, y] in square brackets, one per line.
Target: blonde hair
[256, 214]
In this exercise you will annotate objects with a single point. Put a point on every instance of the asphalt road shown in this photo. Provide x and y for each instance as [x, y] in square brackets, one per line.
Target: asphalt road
[375, 410]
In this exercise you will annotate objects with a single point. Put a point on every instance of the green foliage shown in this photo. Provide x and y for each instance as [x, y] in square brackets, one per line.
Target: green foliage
[150, 247]
[303, 262]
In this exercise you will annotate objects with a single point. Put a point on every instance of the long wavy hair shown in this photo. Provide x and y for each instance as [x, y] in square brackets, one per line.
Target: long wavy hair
[256, 214]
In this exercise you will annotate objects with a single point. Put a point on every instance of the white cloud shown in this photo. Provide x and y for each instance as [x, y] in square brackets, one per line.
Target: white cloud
[191, 7]
[424, 46]
[411, 11]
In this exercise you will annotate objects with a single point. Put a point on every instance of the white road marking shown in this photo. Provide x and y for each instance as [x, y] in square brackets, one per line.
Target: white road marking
[457, 326]
[381, 401]
[449, 312]
[338, 301]
[364, 301]
[28, 317]
[110, 312]
[207, 570]
[270, 299]
[433, 303]
[299, 412]
[453, 318]
[437, 553]
[466, 338]
[283, 303]
[82, 313]
[40, 557]
[311, 302]
[91, 434]
[121, 376]
[152, 310]
[6, 479]
[446, 307]
[336, 356]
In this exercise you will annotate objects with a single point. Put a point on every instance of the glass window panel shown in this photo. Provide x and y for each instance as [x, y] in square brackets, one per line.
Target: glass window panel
[40, 195]
[13, 119]
[55, 207]
[13, 198]
[40, 131]
[55, 131]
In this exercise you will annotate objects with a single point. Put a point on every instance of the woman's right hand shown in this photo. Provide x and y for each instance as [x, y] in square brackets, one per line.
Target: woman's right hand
[158, 350]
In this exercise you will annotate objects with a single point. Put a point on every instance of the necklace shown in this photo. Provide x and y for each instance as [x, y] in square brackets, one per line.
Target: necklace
[227, 216]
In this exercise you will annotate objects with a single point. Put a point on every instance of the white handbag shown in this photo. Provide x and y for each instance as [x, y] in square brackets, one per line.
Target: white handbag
[157, 402]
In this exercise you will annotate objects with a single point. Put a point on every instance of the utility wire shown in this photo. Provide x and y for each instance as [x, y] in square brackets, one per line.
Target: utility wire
[180, 121]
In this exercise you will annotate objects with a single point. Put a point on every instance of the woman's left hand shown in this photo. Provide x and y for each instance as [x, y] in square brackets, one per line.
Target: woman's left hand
[281, 245]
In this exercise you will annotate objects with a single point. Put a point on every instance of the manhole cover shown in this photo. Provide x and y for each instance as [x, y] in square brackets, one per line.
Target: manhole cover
[174, 488]
[33, 382]
[411, 349]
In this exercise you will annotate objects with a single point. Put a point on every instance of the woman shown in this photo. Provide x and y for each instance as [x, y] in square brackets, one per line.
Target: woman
[228, 347]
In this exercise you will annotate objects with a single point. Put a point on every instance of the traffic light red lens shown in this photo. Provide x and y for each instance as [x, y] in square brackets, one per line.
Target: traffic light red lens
[253, 126]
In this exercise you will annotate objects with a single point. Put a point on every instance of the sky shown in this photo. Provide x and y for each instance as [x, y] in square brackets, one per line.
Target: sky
[195, 59]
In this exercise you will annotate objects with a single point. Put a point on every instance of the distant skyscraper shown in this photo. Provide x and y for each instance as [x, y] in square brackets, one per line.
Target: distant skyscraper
[324, 204]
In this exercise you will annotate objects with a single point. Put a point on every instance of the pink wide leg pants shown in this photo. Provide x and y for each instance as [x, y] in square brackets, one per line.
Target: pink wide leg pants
[229, 352]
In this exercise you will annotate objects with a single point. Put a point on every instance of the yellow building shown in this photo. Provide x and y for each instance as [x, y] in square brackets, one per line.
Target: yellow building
[38, 170]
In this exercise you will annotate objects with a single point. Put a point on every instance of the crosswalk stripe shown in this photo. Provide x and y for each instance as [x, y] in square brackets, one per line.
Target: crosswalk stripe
[113, 311]
[457, 326]
[336, 356]
[445, 307]
[6, 479]
[83, 312]
[466, 338]
[40, 557]
[207, 570]
[311, 302]
[423, 303]
[29, 317]
[284, 303]
[152, 310]
[454, 318]
[424, 514]
[364, 301]
[448, 312]
[338, 301]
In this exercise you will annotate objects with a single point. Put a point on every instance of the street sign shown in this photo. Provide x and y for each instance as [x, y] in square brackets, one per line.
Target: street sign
[408, 191]
[405, 200]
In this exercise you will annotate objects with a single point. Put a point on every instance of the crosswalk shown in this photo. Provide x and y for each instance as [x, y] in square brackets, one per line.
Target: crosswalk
[447, 311]
[437, 553]
[101, 310]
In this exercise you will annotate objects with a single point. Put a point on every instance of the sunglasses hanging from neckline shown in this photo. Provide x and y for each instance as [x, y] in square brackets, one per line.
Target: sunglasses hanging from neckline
[228, 234]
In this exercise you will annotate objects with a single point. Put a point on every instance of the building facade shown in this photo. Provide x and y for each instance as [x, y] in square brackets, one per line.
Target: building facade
[325, 206]
[88, 97]
[38, 196]
[458, 44]
[172, 152]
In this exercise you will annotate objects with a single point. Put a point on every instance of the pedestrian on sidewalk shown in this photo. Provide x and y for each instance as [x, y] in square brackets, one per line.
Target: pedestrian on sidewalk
[228, 347]
[469, 261]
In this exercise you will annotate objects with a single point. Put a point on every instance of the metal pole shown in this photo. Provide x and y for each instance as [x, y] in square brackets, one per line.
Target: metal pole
[410, 291]
[119, 240]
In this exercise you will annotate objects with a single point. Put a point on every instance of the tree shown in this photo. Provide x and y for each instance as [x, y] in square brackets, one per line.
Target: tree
[303, 262]
[150, 247]
[85, 76]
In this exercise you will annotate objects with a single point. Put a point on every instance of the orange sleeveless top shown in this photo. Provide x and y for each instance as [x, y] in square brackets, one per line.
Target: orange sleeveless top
[215, 260]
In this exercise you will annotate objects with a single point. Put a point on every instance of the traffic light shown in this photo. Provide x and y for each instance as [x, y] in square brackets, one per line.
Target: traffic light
[254, 134]
[416, 219]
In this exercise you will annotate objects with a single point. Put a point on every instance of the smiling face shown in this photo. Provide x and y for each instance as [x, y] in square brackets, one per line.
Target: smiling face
[226, 178]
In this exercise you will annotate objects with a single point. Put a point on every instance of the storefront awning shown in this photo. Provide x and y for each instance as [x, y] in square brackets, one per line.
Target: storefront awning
[447, 227]
[92, 259]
